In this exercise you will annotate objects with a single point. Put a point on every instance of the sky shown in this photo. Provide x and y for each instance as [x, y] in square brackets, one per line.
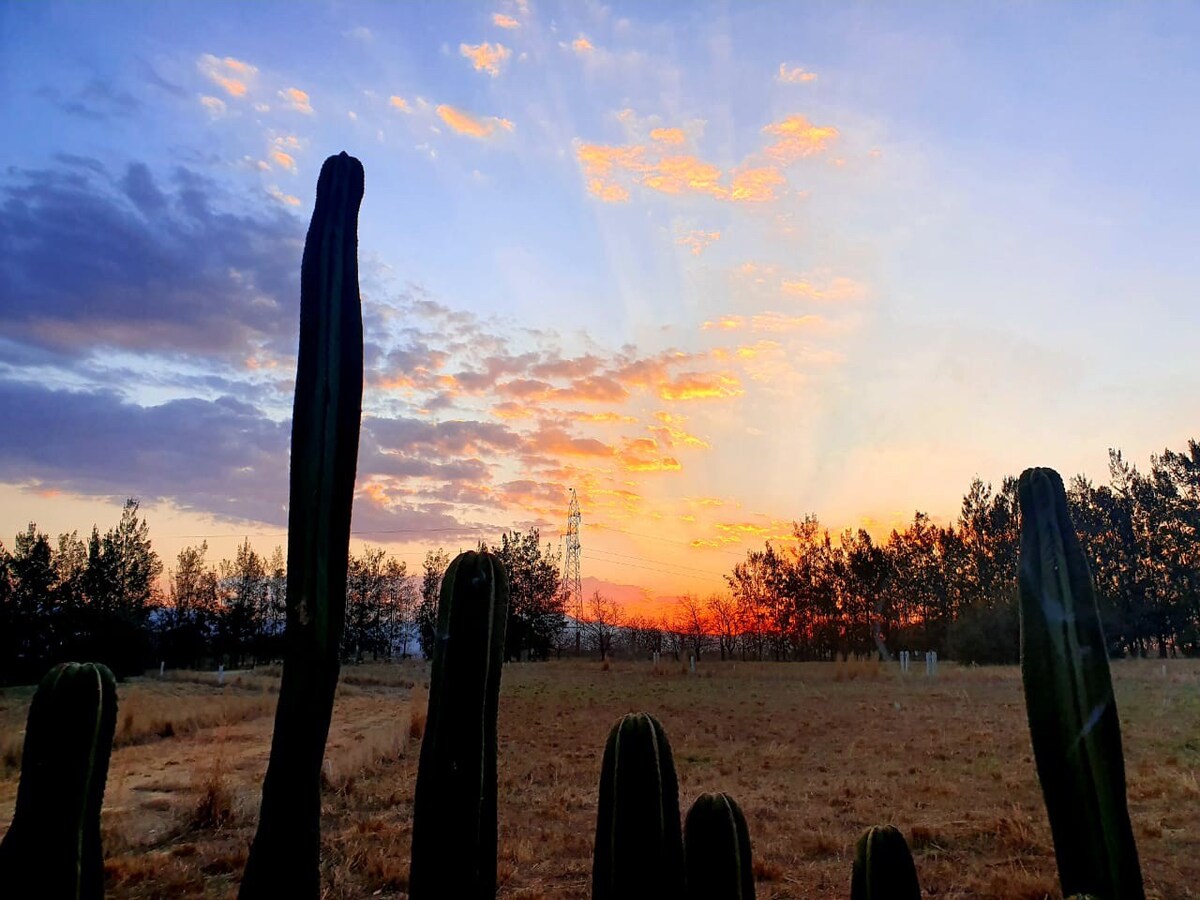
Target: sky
[715, 266]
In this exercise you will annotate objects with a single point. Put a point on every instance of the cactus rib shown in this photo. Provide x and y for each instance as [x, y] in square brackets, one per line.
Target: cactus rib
[285, 856]
[639, 842]
[1072, 713]
[52, 849]
[716, 847]
[454, 809]
[883, 867]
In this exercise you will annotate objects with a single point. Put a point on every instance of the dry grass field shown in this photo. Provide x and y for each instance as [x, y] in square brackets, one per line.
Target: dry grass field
[813, 752]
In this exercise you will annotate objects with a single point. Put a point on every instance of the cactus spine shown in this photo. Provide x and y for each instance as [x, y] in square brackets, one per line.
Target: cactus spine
[52, 848]
[1069, 699]
[639, 842]
[285, 856]
[716, 843]
[454, 810]
[883, 867]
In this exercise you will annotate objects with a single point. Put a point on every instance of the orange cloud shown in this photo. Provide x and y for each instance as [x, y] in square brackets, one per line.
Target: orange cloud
[500, 20]
[668, 135]
[740, 532]
[582, 45]
[399, 103]
[486, 57]
[511, 410]
[556, 442]
[231, 74]
[676, 174]
[756, 185]
[794, 75]
[286, 199]
[766, 321]
[284, 160]
[796, 137]
[697, 241]
[595, 388]
[297, 100]
[839, 288]
[641, 455]
[701, 386]
[672, 436]
[704, 501]
[470, 125]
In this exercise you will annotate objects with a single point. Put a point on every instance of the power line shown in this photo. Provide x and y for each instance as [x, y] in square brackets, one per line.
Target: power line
[714, 576]
[683, 568]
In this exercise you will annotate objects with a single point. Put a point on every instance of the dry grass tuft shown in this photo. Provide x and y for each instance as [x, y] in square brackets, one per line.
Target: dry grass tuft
[418, 709]
[213, 808]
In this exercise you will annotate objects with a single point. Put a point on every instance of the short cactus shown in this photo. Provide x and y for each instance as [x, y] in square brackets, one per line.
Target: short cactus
[1069, 699]
[285, 856]
[716, 846]
[883, 867]
[454, 810]
[52, 849]
[639, 842]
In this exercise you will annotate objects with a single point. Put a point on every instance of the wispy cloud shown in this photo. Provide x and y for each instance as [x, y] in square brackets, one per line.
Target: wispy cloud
[470, 125]
[486, 57]
[297, 99]
[794, 74]
[668, 135]
[796, 137]
[215, 106]
[650, 167]
[697, 241]
[500, 20]
[399, 103]
[285, 199]
[773, 322]
[582, 45]
[231, 74]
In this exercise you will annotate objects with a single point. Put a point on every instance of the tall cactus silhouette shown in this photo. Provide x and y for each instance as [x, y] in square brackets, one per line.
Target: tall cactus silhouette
[639, 843]
[285, 856]
[52, 848]
[454, 810]
[716, 845]
[883, 867]
[1069, 699]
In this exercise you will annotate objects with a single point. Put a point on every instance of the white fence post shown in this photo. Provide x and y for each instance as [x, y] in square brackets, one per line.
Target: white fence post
[693, 662]
[221, 673]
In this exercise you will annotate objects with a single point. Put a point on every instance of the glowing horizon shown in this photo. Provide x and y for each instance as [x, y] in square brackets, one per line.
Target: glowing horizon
[715, 268]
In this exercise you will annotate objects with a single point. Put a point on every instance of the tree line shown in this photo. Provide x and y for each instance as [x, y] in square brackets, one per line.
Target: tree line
[949, 588]
[952, 588]
[104, 599]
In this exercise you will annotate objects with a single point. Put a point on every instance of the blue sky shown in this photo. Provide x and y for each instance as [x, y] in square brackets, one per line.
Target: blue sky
[714, 265]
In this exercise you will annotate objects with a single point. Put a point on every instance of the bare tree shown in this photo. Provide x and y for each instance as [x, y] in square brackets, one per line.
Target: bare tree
[692, 624]
[672, 638]
[725, 621]
[604, 623]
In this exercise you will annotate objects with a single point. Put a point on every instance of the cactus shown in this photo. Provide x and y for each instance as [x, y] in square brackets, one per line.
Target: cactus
[52, 848]
[883, 867]
[716, 844]
[285, 856]
[639, 843]
[454, 810]
[1069, 699]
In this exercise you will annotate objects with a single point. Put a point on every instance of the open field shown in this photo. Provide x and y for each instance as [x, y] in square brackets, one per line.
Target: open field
[813, 752]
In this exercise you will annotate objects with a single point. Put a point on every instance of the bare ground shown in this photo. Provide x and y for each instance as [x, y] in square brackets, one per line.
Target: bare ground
[813, 752]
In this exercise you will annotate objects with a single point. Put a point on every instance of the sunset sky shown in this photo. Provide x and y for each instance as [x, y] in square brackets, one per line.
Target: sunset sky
[714, 265]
